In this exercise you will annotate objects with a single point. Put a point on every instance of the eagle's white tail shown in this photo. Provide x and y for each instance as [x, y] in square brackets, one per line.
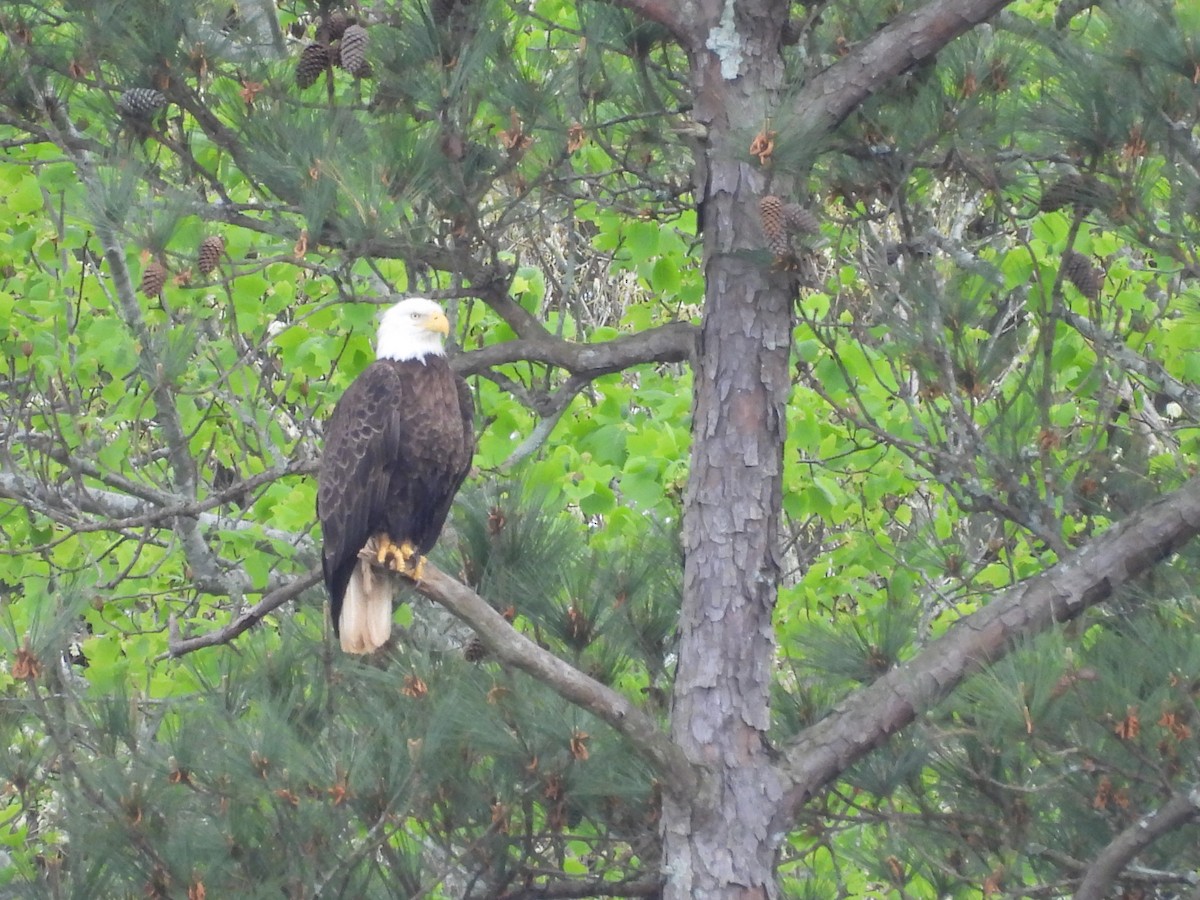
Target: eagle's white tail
[365, 622]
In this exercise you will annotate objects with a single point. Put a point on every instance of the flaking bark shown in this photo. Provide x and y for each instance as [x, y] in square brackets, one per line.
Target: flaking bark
[718, 844]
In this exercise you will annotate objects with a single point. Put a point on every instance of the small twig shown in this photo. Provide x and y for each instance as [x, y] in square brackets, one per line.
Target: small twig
[559, 403]
[1186, 396]
[120, 511]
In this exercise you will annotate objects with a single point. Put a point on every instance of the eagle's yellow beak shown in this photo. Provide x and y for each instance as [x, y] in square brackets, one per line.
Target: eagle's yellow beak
[437, 321]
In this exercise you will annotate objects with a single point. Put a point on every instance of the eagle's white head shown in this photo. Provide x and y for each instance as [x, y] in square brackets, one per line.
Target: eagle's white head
[412, 329]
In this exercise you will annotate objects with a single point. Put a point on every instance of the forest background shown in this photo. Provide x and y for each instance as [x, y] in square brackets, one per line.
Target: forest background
[828, 537]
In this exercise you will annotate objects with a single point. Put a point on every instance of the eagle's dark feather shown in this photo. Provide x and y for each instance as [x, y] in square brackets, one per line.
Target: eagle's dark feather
[397, 448]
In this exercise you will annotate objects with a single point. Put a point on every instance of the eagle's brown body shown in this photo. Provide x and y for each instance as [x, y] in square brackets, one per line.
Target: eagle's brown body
[397, 448]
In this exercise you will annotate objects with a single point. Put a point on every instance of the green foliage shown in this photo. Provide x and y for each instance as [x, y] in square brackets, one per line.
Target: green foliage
[283, 769]
[964, 413]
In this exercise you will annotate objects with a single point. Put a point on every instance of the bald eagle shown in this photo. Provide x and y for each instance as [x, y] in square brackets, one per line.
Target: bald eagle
[397, 447]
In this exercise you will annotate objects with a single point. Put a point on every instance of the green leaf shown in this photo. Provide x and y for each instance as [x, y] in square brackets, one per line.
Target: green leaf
[25, 197]
[641, 488]
[664, 277]
[596, 499]
[641, 240]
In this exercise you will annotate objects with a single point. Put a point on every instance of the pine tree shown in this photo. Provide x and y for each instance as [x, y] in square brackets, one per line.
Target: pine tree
[834, 353]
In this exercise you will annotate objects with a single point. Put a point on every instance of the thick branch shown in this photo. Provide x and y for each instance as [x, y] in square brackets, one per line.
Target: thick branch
[1105, 868]
[906, 41]
[866, 718]
[570, 890]
[494, 292]
[667, 13]
[514, 649]
[664, 344]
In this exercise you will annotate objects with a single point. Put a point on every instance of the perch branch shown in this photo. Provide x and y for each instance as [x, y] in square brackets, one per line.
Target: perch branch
[514, 649]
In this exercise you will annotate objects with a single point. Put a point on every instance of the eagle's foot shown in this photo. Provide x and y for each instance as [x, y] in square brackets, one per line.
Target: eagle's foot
[401, 558]
[370, 552]
[408, 562]
[378, 550]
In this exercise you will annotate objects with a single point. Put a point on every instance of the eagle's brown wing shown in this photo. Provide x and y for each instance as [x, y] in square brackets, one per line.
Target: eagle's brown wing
[362, 444]
[466, 407]
[436, 448]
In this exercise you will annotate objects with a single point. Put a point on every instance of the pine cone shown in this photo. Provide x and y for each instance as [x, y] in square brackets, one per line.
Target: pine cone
[1062, 192]
[154, 276]
[800, 220]
[1083, 192]
[1080, 272]
[770, 208]
[208, 257]
[474, 650]
[354, 50]
[141, 103]
[314, 59]
[333, 26]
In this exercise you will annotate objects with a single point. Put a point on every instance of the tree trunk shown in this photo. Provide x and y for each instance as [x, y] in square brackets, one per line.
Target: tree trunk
[718, 843]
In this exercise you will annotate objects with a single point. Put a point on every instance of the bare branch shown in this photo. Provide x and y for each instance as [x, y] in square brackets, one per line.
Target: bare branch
[514, 649]
[1107, 866]
[494, 293]
[550, 413]
[119, 511]
[567, 890]
[203, 561]
[159, 505]
[869, 716]
[1186, 396]
[664, 344]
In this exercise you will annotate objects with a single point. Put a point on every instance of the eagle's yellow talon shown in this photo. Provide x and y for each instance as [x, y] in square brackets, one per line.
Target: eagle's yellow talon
[385, 552]
[416, 567]
[408, 561]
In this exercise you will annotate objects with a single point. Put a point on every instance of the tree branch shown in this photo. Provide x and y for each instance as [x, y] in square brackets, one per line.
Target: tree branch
[664, 344]
[1186, 396]
[207, 569]
[514, 649]
[569, 890]
[119, 505]
[667, 13]
[870, 715]
[121, 511]
[550, 411]
[904, 42]
[179, 646]
[1105, 868]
